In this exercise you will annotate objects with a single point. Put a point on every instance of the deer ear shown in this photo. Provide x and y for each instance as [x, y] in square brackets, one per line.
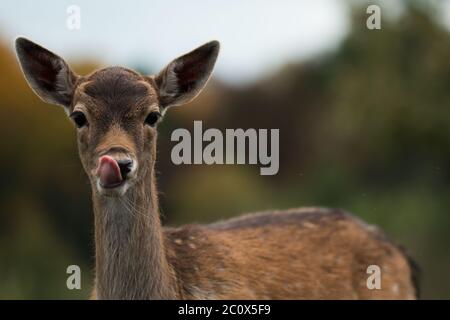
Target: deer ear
[47, 74]
[183, 79]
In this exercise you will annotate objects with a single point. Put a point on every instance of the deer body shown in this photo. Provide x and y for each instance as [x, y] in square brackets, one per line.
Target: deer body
[308, 253]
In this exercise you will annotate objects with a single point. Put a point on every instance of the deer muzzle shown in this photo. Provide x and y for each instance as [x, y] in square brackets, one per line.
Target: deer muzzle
[113, 172]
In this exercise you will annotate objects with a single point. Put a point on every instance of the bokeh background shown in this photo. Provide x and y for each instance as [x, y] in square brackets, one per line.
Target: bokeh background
[363, 117]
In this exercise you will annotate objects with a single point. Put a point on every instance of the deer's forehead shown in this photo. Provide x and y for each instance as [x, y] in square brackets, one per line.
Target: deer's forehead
[116, 89]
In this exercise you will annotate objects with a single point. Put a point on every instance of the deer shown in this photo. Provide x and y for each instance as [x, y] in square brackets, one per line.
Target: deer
[303, 253]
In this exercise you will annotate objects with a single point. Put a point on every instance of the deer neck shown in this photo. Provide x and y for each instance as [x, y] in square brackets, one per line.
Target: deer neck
[130, 254]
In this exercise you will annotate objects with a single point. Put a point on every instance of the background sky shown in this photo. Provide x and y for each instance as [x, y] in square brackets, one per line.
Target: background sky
[257, 37]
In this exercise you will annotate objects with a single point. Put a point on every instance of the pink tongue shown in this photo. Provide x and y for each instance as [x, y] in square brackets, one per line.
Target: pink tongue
[108, 171]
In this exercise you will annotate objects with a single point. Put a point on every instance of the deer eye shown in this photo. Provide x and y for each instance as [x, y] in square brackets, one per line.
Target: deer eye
[79, 118]
[152, 118]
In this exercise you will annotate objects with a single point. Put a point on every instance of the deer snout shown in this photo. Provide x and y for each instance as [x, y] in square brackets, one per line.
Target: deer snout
[113, 171]
[125, 166]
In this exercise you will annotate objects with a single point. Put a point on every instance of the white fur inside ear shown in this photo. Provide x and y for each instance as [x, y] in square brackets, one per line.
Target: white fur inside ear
[63, 81]
[185, 77]
[46, 73]
[169, 86]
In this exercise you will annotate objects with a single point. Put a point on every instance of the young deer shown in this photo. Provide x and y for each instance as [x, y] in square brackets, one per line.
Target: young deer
[308, 253]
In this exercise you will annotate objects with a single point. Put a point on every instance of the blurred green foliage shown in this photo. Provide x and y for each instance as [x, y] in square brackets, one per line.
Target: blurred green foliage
[364, 128]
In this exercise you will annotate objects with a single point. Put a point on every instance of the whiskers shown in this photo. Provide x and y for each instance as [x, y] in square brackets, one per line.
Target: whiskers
[140, 213]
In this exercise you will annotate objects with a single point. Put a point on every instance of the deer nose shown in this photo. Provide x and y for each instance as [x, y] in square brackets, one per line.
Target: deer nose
[125, 166]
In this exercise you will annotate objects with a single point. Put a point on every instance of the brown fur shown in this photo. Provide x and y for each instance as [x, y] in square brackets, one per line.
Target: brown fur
[308, 253]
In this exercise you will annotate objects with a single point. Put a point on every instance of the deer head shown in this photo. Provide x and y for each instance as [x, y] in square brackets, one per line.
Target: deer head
[116, 110]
